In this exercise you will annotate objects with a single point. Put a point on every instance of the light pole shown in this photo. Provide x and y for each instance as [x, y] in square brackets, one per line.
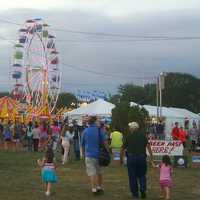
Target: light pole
[157, 96]
[160, 86]
[161, 81]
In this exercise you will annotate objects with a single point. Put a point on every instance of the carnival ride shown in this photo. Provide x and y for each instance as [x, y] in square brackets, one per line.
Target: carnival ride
[35, 71]
[8, 108]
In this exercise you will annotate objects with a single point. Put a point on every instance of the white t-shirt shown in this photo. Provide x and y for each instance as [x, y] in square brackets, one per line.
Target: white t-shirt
[68, 136]
[36, 133]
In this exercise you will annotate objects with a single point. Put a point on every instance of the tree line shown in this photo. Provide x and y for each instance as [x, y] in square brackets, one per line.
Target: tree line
[181, 90]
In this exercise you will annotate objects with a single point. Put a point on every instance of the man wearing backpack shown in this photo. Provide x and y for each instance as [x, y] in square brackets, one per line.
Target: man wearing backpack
[92, 137]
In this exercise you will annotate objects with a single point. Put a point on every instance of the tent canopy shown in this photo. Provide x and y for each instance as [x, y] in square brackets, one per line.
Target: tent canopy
[186, 113]
[99, 108]
[173, 115]
[170, 112]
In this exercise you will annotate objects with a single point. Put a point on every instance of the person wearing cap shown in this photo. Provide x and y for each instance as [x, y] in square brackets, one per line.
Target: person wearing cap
[135, 144]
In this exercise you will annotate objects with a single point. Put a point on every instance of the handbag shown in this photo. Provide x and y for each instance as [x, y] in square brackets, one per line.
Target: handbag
[104, 155]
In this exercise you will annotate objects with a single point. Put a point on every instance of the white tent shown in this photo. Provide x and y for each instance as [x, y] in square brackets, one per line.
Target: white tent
[186, 113]
[98, 108]
[166, 112]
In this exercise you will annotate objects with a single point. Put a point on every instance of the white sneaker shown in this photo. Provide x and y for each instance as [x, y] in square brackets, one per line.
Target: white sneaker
[47, 193]
[94, 190]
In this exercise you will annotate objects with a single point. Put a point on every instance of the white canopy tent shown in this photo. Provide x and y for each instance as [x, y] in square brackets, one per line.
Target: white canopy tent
[173, 115]
[98, 108]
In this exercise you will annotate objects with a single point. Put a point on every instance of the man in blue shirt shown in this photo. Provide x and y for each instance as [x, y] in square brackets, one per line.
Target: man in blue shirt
[92, 137]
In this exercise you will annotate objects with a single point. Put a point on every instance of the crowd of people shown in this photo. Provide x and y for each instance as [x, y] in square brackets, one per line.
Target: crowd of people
[190, 137]
[86, 141]
[133, 147]
[156, 130]
[37, 135]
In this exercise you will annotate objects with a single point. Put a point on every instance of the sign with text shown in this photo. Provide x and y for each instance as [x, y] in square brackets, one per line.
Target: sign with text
[162, 147]
[196, 159]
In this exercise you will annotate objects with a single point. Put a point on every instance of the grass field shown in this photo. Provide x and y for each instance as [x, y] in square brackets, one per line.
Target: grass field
[20, 180]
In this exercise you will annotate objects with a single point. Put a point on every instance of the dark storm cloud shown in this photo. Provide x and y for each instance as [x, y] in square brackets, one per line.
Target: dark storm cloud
[104, 54]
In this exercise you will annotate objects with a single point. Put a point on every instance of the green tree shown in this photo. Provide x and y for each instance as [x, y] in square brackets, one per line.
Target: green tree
[123, 113]
[138, 94]
[2, 94]
[130, 92]
[115, 99]
[150, 94]
[182, 90]
[120, 116]
[65, 100]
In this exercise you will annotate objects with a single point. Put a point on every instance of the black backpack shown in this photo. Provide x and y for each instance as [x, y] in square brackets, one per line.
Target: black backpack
[104, 155]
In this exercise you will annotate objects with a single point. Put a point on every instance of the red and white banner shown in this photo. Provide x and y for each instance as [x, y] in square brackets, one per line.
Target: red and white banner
[162, 147]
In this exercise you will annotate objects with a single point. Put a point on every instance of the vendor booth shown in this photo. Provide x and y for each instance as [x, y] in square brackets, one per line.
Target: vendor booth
[99, 108]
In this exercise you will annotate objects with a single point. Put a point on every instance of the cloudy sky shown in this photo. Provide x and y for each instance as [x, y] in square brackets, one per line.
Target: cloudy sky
[128, 51]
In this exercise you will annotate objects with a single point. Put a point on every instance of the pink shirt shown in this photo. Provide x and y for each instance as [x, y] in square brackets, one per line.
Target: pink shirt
[55, 130]
[165, 172]
[43, 132]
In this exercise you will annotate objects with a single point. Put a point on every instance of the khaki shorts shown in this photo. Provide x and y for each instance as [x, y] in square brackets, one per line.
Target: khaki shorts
[92, 166]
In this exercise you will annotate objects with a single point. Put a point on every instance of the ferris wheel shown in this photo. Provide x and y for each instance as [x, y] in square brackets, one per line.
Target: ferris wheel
[35, 72]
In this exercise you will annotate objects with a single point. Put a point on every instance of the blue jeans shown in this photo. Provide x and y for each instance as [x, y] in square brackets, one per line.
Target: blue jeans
[30, 143]
[77, 149]
[137, 168]
[55, 140]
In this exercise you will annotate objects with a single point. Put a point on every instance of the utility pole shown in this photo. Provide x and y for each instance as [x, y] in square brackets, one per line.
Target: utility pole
[161, 88]
[157, 96]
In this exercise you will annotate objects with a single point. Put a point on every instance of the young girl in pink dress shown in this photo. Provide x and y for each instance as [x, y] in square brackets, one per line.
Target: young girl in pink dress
[165, 177]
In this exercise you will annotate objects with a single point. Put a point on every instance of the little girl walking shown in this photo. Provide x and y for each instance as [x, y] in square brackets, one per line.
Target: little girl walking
[165, 177]
[48, 170]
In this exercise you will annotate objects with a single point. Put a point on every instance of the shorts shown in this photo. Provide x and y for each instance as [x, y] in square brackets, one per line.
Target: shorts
[55, 138]
[165, 183]
[116, 154]
[8, 139]
[92, 166]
